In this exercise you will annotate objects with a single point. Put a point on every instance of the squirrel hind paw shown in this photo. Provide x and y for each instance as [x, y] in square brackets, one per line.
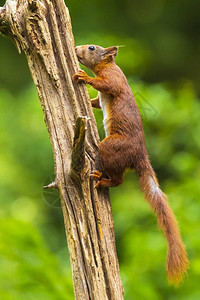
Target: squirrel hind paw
[96, 174]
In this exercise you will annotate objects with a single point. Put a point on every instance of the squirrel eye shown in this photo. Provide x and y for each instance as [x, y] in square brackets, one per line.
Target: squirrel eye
[91, 48]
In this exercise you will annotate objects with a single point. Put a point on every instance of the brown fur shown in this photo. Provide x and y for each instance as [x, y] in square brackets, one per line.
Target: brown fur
[124, 147]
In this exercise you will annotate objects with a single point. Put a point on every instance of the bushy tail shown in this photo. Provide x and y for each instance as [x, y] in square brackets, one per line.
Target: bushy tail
[177, 262]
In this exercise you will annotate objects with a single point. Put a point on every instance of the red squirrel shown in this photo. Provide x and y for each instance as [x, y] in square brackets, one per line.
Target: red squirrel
[124, 146]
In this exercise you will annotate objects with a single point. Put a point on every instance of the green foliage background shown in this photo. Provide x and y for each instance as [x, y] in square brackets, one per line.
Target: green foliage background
[161, 60]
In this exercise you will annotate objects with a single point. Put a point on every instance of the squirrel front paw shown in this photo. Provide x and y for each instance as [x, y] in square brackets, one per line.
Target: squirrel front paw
[80, 76]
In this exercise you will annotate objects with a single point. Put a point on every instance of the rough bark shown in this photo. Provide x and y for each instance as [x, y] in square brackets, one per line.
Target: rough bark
[42, 29]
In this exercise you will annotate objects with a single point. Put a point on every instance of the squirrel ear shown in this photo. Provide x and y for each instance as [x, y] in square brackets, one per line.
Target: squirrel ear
[111, 51]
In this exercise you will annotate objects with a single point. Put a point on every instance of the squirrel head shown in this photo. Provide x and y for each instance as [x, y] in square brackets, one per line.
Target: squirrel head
[92, 55]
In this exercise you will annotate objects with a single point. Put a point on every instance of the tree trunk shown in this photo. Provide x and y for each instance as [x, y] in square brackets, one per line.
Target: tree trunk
[42, 29]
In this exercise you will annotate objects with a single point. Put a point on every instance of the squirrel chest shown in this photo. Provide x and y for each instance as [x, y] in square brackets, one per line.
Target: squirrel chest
[104, 102]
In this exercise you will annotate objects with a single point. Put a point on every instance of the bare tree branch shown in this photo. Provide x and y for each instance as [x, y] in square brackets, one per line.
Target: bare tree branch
[42, 29]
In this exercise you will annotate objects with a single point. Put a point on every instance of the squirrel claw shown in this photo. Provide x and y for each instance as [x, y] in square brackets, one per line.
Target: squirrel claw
[97, 184]
[80, 76]
[96, 175]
